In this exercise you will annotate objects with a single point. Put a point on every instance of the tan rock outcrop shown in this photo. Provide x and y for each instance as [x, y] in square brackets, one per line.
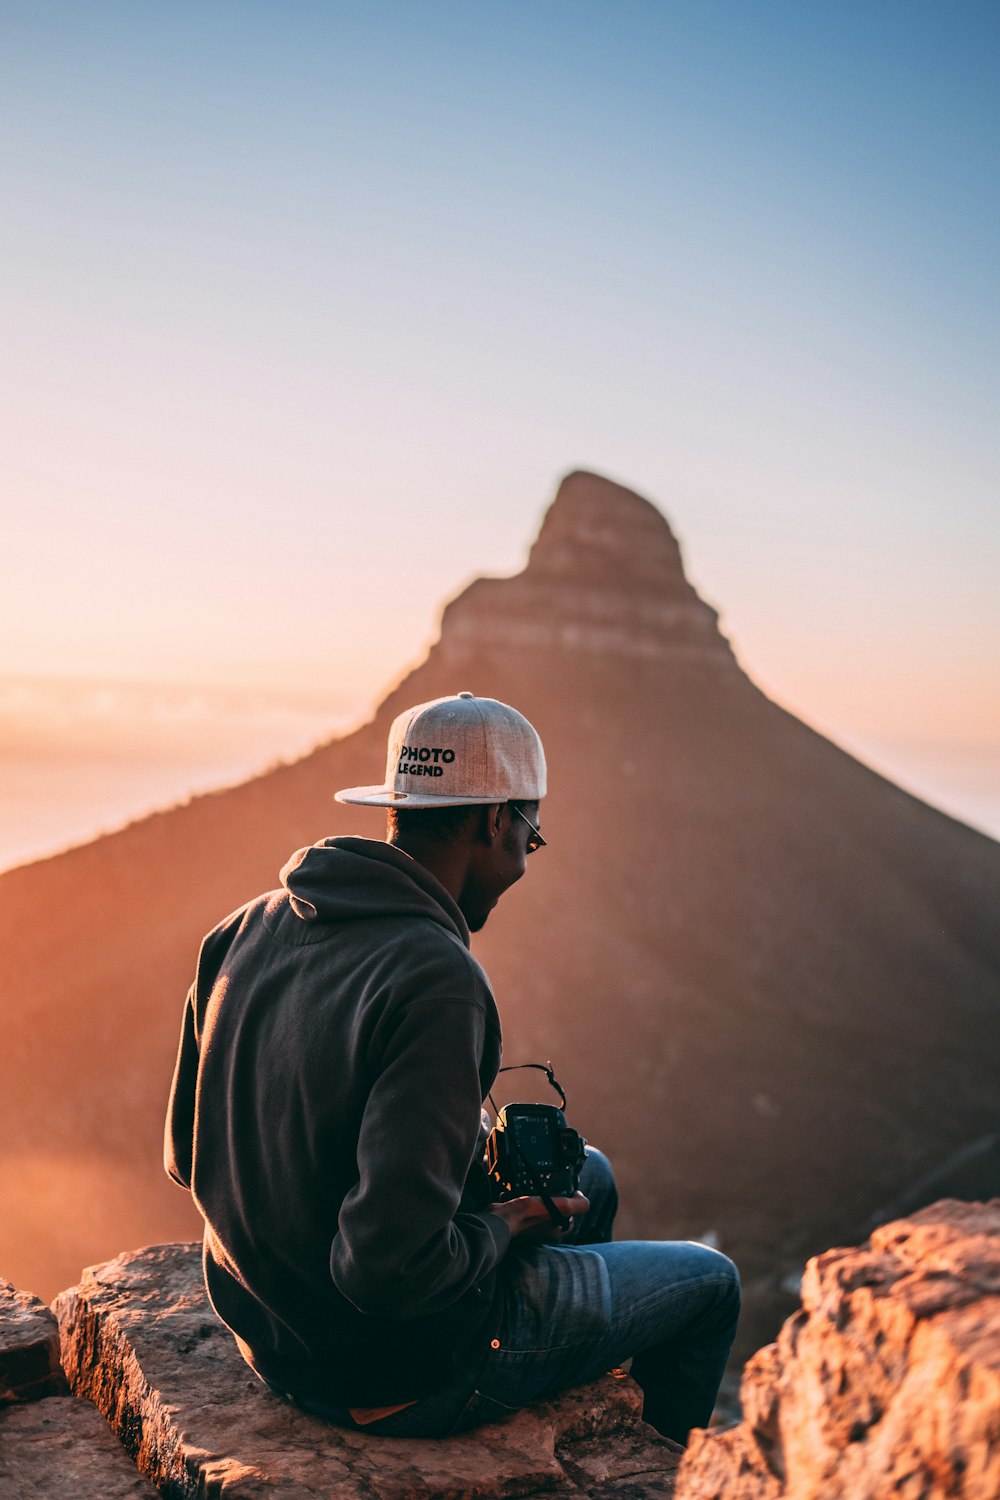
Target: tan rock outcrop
[886, 1383]
[29, 1348]
[53, 1446]
[140, 1339]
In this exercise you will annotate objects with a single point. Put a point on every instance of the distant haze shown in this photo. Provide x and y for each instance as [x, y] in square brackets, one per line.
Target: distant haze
[81, 758]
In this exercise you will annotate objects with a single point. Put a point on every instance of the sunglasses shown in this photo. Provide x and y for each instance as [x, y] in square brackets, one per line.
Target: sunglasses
[535, 840]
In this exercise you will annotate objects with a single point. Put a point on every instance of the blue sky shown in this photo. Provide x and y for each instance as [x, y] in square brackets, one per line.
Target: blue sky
[305, 309]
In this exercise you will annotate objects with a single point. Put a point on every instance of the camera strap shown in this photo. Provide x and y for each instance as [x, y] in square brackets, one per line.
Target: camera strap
[557, 1218]
[545, 1068]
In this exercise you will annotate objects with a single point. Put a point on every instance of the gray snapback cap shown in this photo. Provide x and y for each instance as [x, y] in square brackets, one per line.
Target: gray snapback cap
[455, 752]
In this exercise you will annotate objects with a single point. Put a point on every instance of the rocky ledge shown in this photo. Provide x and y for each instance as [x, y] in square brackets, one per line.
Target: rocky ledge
[141, 1341]
[52, 1445]
[885, 1383]
[29, 1348]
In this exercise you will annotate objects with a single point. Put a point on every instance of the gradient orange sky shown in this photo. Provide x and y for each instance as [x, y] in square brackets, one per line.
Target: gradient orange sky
[306, 310]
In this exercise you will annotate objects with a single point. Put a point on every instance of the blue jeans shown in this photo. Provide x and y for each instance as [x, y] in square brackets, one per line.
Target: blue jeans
[575, 1310]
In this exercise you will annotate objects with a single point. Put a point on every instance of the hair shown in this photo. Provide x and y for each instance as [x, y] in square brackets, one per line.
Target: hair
[439, 825]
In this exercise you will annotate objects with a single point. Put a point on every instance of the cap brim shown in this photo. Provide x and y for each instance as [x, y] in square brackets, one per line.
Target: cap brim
[379, 796]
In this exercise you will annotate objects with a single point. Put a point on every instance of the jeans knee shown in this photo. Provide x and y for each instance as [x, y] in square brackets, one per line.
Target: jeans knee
[597, 1181]
[597, 1177]
[719, 1270]
[729, 1281]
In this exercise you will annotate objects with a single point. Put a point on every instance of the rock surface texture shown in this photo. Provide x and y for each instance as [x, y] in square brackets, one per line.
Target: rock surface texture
[62, 1449]
[886, 1383]
[140, 1339]
[53, 1446]
[29, 1348]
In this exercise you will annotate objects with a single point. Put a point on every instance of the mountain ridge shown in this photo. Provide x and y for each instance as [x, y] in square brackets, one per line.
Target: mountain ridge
[756, 962]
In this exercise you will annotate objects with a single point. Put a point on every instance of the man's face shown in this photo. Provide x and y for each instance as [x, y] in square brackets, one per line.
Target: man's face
[498, 864]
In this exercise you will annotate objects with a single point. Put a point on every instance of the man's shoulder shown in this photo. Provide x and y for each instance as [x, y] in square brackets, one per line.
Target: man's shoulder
[249, 912]
[246, 918]
[432, 955]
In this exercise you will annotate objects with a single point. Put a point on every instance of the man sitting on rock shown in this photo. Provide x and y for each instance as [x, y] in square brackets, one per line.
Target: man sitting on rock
[336, 1049]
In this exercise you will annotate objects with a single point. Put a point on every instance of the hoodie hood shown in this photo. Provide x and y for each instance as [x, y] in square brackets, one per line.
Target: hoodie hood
[349, 879]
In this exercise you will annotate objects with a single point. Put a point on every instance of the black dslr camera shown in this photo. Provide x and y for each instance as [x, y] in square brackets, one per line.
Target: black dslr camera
[532, 1151]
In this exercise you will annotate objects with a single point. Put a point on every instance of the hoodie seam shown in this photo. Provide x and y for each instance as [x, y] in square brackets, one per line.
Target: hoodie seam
[445, 1000]
[318, 930]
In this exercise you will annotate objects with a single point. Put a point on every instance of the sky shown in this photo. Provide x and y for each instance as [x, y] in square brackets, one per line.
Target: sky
[306, 308]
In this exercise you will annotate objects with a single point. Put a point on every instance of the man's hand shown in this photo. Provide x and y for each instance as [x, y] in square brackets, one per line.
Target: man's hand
[528, 1219]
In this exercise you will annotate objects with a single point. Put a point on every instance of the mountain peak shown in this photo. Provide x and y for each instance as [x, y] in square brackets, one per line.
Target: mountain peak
[595, 526]
[604, 576]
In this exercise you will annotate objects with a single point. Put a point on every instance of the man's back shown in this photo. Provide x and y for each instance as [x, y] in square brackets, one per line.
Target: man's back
[337, 1046]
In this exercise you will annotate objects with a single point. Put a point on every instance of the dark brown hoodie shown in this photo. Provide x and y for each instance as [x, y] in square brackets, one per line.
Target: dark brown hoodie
[336, 1048]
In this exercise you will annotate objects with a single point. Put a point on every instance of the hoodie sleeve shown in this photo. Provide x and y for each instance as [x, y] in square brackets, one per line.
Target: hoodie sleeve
[178, 1131]
[403, 1250]
[178, 1134]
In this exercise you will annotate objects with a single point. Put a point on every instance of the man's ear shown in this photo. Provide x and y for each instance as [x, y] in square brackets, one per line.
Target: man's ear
[490, 823]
